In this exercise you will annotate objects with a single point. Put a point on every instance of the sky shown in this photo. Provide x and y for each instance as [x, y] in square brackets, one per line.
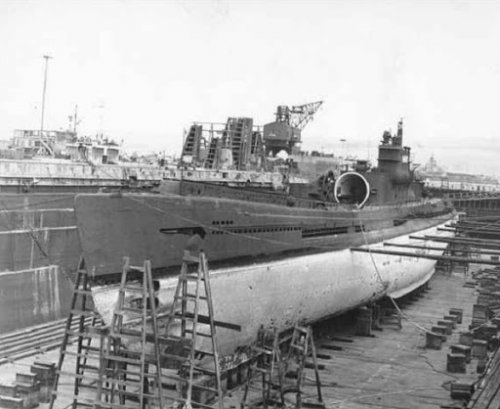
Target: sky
[142, 71]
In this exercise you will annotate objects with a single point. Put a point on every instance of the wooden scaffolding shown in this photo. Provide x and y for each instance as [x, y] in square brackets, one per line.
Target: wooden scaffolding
[142, 360]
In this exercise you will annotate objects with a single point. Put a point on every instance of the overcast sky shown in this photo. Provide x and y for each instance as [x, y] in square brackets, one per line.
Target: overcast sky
[142, 71]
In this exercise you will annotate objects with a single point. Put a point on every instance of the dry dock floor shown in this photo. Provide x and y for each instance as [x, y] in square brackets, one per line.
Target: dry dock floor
[393, 369]
[390, 369]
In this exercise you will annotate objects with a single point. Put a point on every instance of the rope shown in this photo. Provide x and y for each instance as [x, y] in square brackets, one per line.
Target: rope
[396, 306]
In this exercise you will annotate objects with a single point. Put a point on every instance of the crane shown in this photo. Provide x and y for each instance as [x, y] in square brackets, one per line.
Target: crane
[297, 116]
[285, 132]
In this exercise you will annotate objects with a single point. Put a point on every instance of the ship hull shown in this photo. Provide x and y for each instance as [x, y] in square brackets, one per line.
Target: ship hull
[270, 265]
[300, 289]
[237, 231]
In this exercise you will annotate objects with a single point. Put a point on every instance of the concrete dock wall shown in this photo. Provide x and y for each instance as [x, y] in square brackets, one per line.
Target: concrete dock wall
[39, 250]
[33, 296]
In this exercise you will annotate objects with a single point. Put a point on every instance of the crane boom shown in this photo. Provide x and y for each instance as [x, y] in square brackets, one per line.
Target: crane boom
[285, 132]
[297, 116]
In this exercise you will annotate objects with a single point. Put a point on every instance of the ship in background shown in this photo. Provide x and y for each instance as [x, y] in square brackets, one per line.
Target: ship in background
[35, 161]
[474, 194]
[279, 252]
[239, 145]
[41, 170]
[40, 174]
[442, 182]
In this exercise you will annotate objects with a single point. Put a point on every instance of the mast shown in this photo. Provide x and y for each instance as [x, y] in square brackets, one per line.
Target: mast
[46, 57]
[75, 119]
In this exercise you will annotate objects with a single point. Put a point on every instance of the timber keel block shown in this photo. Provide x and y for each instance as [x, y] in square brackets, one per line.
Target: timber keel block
[433, 340]
[480, 312]
[461, 390]
[458, 312]
[364, 322]
[481, 366]
[455, 363]
[461, 349]
[452, 319]
[479, 348]
[439, 329]
[466, 338]
[9, 390]
[45, 373]
[486, 332]
[29, 393]
[8, 402]
[448, 325]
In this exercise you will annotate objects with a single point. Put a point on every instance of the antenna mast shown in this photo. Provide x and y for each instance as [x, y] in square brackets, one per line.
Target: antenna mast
[75, 119]
[46, 57]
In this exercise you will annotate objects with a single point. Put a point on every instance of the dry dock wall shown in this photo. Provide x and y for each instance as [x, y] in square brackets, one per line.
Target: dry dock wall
[39, 249]
[37, 230]
[33, 296]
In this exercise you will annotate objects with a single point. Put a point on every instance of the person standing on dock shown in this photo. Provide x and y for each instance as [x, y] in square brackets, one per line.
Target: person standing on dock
[194, 245]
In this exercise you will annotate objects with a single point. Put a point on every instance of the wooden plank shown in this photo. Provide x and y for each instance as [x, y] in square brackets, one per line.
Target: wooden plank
[204, 319]
[427, 256]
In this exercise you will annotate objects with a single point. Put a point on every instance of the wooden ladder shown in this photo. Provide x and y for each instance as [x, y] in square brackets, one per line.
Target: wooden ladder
[128, 367]
[87, 319]
[301, 346]
[193, 289]
[268, 363]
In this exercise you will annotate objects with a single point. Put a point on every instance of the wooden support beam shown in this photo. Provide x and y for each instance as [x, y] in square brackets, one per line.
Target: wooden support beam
[206, 320]
[468, 250]
[482, 243]
[495, 233]
[479, 226]
[475, 226]
[477, 223]
[492, 234]
[462, 239]
[490, 217]
[427, 256]
[477, 230]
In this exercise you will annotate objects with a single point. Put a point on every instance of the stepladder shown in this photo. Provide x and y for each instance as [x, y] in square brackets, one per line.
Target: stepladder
[268, 366]
[191, 319]
[130, 364]
[279, 370]
[87, 322]
[301, 351]
[193, 290]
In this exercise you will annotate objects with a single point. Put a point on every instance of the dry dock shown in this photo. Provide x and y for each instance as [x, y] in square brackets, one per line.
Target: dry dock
[392, 368]
[389, 369]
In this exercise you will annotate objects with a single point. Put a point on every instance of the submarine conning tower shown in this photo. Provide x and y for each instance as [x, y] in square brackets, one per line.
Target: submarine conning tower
[393, 157]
